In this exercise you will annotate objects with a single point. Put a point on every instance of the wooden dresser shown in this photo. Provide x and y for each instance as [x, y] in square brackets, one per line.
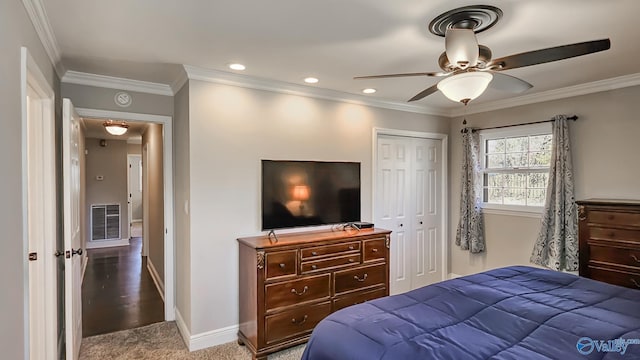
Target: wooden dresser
[610, 241]
[287, 287]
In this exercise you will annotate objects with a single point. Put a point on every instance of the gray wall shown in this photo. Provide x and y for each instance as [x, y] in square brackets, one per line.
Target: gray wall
[110, 162]
[154, 193]
[181, 203]
[16, 30]
[605, 152]
[92, 97]
[230, 130]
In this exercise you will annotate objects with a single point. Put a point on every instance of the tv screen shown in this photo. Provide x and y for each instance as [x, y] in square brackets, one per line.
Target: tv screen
[308, 193]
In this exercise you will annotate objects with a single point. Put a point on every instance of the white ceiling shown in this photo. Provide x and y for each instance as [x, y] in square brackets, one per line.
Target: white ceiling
[334, 40]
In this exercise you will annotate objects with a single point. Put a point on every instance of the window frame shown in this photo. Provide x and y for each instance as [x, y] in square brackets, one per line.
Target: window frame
[516, 131]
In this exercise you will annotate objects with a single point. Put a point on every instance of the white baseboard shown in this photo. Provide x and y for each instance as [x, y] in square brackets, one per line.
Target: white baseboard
[107, 243]
[156, 277]
[453, 276]
[206, 339]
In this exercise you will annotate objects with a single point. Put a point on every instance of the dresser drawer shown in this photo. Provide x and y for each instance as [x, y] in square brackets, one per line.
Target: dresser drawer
[330, 250]
[295, 322]
[601, 233]
[615, 255]
[330, 263]
[297, 291]
[360, 278]
[357, 298]
[630, 279]
[281, 263]
[613, 217]
[374, 250]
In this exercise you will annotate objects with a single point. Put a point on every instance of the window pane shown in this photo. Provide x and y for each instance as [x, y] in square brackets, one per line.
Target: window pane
[540, 158]
[495, 146]
[516, 160]
[538, 180]
[495, 161]
[515, 180]
[494, 195]
[540, 142]
[536, 197]
[494, 180]
[514, 196]
[517, 144]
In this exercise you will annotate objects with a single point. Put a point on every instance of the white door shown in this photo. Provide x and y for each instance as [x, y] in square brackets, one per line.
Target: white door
[409, 202]
[135, 187]
[426, 205]
[392, 198]
[72, 236]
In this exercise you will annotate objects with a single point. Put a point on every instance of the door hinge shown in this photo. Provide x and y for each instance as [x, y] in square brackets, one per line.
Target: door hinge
[33, 256]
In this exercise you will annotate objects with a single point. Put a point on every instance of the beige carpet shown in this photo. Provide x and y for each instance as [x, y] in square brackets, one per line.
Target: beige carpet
[162, 341]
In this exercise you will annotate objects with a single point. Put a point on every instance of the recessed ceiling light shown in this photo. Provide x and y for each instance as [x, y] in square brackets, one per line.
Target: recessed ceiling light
[369, 91]
[311, 80]
[237, 67]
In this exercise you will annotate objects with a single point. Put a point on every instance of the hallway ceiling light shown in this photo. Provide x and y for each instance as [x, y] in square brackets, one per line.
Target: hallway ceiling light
[115, 128]
[369, 91]
[311, 80]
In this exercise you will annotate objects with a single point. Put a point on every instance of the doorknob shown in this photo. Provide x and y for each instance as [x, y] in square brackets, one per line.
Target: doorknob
[76, 252]
[58, 253]
[401, 225]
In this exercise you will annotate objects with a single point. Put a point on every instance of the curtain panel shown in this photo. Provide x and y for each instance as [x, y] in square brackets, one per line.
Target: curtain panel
[557, 244]
[470, 232]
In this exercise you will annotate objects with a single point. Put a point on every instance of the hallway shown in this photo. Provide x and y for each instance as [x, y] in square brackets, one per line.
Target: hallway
[117, 292]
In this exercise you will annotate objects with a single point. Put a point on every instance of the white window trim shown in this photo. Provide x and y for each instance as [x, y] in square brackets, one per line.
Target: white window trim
[523, 130]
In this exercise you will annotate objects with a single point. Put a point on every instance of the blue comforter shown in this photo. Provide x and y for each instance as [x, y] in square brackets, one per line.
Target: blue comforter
[508, 313]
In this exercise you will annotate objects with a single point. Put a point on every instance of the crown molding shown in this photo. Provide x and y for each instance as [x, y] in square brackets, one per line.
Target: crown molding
[179, 81]
[251, 82]
[110, 82]
[570, 91]
[38, 16]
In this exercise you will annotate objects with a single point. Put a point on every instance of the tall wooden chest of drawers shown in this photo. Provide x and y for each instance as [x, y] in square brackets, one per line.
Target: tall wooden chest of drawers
[287, 287]
[610, 241]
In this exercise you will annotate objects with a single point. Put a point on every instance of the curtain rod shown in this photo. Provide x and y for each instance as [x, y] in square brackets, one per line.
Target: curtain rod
[573, 117]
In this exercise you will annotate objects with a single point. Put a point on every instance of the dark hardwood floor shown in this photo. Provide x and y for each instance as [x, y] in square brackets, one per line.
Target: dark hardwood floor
[117, 292]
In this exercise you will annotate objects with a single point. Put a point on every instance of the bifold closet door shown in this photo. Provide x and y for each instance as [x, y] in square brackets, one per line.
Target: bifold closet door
[408, 202]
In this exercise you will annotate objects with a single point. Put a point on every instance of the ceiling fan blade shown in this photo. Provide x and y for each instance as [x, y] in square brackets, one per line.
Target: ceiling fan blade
[549, 54]
[424, 93]
[461, 47]
[403, 75]
[509, 83]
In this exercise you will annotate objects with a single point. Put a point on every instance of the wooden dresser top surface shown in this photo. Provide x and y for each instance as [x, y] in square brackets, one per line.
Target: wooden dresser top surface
[263, 241]
[618, 202]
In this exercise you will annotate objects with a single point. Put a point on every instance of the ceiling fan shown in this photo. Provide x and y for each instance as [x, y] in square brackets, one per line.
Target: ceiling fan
[468, 67]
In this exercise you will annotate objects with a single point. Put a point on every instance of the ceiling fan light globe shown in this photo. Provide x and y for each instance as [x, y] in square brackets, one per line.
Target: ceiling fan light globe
[461, 47]
[466, 86]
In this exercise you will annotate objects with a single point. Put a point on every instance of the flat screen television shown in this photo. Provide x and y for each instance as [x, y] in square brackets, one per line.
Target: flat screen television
[309, 193]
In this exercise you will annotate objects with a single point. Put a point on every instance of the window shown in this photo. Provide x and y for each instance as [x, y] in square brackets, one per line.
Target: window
[515, 164]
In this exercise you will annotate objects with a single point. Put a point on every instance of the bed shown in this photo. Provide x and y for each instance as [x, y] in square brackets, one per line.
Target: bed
[515, 312]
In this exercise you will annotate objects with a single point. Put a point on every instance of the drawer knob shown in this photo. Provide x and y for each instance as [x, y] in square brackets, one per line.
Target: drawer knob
[634, 257]
[281, 266]
[313, 267]
[350, 247]
[635, 282]
[374, 250]
[294, 321]
[351, 260]
[363, 278]
[304, 290]
[313, 253]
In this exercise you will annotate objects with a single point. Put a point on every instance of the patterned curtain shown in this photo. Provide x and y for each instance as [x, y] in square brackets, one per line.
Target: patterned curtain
[470, 233]
[557, 243]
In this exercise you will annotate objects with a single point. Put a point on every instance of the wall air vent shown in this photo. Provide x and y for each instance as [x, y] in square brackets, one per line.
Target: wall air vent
[105, 222]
